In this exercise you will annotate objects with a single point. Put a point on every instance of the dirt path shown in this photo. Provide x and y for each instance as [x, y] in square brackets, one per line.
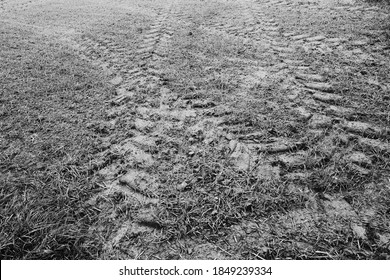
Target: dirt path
[239, 129]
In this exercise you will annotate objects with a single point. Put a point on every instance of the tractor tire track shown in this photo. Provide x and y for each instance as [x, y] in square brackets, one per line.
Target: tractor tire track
[316, 100]
[134, 175]
[132, 171]
[313, 99]
[319, 92]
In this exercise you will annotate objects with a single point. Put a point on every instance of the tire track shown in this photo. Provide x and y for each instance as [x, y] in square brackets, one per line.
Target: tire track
[313, 98]
[134, 173]
[132, 170]
[316, 102]
[321, 105]
[315, 84]
[131, 71]
[151, 52]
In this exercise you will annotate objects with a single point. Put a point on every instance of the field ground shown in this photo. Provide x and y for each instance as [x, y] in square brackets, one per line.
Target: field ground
[190, 129]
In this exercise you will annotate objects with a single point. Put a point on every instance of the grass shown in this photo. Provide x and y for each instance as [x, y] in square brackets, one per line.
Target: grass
[48, 95]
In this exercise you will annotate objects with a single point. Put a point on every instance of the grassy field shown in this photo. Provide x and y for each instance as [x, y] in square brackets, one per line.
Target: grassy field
[194, 130]
[47, 97]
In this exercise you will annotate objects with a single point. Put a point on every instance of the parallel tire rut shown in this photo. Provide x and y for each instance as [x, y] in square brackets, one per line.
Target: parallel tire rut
[229, 130]
[137, 169]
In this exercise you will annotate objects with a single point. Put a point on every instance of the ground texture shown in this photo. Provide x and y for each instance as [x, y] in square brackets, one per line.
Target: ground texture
[190, 129]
